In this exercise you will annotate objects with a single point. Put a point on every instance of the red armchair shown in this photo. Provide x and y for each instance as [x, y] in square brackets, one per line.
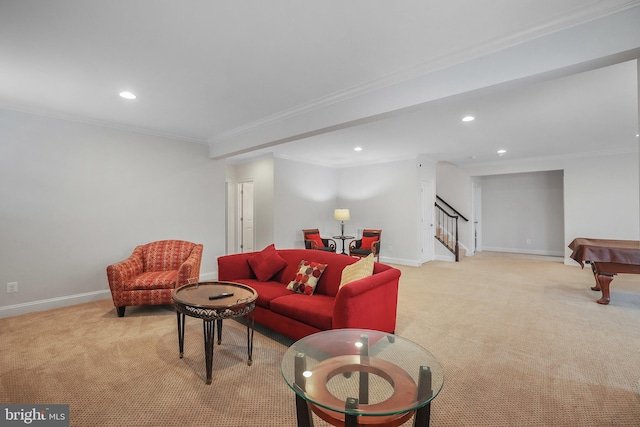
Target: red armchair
[370, 243]
[312, 240]
[152, 272]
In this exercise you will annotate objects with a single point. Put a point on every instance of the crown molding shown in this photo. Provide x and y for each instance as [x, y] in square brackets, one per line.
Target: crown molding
[559, 157]
[100, 123]
[575, 17]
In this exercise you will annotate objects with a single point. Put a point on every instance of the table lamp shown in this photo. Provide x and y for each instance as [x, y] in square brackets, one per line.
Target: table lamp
[341, 215]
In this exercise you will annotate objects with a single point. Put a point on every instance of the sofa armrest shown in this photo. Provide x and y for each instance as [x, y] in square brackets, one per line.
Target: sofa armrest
[231, 267]
[369, 303]
[118, 273]
[189, 271]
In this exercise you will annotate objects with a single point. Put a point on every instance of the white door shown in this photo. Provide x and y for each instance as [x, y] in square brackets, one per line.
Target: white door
[476, 208]
[245, 220]
[427, 201]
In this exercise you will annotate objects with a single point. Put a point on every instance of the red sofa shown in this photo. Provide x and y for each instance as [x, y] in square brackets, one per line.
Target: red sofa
[368, 303]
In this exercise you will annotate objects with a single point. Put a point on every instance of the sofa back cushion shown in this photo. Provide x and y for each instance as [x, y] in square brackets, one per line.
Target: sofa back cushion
[165, 255]
[330, 280]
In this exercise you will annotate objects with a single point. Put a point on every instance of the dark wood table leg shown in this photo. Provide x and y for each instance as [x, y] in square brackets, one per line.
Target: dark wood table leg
[423, 415]
[250, 326]
[363, 387]
[303, 414]
[180, 333]
[351, 420]
[219, 324]
[209, 329]
[603, 282]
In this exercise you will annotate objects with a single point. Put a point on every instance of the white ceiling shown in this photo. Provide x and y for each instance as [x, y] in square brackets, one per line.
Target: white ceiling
[204, 70]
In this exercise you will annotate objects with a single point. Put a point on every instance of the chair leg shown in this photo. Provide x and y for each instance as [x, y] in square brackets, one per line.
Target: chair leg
[120, 311]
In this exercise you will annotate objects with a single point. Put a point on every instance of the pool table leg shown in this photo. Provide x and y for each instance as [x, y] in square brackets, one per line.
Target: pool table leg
[602, 284]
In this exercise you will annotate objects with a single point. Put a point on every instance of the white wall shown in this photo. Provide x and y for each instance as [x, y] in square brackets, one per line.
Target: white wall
[600, 193]
[523, 213]
[261, 173]
[306, 197]
[75, 198]
[601, 198]
[454, 186]
[386, 196]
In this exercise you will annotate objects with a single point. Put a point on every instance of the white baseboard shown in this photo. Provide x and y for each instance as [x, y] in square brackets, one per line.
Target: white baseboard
[524, 251]
[67, 300]
[400, 261]
[51, 303]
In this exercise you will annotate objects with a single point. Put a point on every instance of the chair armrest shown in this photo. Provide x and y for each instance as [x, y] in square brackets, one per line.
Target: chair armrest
[375, 247]
[231, 267]
[189, 271]
[310, 244]
[329, 243]
[120, 272]
[355, 244]
[369, 303]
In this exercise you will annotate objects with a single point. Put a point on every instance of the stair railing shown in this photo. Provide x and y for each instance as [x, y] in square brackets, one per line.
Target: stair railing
[447, 226]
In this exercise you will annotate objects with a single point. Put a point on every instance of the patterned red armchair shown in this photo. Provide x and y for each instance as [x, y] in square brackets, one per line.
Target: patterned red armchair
[152, 272]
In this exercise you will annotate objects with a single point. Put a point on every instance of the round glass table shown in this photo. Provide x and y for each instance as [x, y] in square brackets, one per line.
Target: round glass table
[357, 377]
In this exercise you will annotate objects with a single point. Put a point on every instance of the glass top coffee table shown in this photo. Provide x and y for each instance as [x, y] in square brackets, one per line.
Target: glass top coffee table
[212, 302]
[361, 377]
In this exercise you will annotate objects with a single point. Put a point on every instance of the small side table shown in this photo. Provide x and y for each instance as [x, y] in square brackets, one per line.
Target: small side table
[359, 377]
[343, 238]
[193, 300]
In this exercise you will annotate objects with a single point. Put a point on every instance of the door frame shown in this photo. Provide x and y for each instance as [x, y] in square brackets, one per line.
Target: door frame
[239, 214]
[427, 211]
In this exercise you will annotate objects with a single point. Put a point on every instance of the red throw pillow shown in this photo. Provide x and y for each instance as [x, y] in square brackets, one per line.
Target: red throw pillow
[266, 263]
[315, 237]
[368, 241]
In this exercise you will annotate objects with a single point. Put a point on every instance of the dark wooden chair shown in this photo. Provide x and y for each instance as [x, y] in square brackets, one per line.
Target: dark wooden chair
[312, 240]
[370, 243]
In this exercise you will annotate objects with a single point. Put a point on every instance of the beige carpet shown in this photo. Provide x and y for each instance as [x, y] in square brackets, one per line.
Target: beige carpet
[520, 338]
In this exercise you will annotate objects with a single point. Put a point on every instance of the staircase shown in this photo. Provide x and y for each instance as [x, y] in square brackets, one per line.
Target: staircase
[447, 219]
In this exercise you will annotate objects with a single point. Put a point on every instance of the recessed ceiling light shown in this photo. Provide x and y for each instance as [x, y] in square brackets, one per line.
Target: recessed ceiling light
[357, 149]
[127, 95]
[501, 152]
[468, 118]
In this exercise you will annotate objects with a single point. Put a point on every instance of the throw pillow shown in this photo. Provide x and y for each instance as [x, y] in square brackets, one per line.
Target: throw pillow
[316, 239]
[358, 270]
[367, 241]
[307, 277]
[266, 263]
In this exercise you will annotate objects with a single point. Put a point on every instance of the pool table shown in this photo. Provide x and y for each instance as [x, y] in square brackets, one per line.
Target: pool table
[607, 258]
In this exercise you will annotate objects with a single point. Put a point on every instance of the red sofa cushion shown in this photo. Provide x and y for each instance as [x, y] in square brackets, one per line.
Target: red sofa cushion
[316, 310]
[329, 281]
[267, 291]
[266, 263]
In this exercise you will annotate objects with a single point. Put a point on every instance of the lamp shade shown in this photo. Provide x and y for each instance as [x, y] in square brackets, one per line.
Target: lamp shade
[341, 215]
